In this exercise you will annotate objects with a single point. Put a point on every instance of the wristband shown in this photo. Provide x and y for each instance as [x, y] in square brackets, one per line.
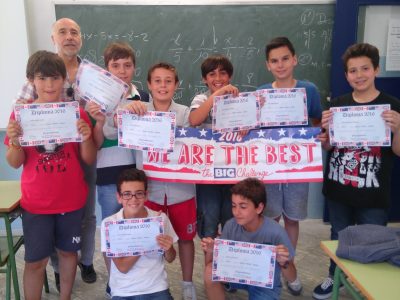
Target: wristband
[285, 265]
[14, 146]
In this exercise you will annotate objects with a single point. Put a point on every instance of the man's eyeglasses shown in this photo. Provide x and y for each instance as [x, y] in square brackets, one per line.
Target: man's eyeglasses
[128, 195]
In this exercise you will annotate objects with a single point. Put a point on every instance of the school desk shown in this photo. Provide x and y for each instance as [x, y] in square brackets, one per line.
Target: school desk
[10, 193]
[378, 281]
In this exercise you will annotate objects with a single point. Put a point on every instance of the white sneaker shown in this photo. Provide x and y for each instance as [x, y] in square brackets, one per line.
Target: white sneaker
[294, 287]
[188, 291]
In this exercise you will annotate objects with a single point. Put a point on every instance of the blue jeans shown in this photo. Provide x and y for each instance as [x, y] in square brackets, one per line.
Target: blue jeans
[214, 206]
[258, 293]
[106, 195]
[342, 216]
[163, 295]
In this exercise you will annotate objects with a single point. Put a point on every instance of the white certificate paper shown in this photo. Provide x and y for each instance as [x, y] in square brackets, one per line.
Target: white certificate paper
[356, 126]
[96, 84]
[241, 262]
[236, 113]
[48, 123]
[393, 46]
[284, 107]
[154, 131]
[132, 237]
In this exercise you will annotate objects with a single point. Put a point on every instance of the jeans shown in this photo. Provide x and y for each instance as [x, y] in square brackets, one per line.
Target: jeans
[106, 195]
[88, 221]
[258, 293]
[214, 207]
[342, 216]
[163, 295]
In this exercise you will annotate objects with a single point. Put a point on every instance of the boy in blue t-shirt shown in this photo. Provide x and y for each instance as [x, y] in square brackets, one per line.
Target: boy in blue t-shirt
[250, 225]
[289, 200]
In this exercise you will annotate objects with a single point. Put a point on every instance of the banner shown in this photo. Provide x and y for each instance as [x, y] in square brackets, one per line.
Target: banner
[271, 155]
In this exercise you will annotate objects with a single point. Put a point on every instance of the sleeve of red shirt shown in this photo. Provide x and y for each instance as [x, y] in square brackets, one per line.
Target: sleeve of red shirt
[85, 117]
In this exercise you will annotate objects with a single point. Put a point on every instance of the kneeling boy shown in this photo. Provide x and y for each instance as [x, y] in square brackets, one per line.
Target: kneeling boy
[249, 225]
[142, 275]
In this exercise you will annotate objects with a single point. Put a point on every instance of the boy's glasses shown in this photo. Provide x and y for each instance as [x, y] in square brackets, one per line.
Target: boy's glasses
[128, 195]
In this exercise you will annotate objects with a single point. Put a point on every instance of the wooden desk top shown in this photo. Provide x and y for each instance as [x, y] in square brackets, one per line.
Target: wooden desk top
[10, 194]
[379, 281]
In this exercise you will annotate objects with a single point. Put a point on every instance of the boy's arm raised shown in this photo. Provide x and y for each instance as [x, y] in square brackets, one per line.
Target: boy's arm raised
[15, 154]
[94, 111]
[198, 115]
[87, 148]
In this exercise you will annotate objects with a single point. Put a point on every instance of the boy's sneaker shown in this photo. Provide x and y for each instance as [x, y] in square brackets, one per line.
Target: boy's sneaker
[108, 291]
[324, 290]
[88, 273]
[57, 280]
[294, 287]
[188, 290]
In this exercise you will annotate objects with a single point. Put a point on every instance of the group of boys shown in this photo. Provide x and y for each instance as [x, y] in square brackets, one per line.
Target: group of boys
[235, 212]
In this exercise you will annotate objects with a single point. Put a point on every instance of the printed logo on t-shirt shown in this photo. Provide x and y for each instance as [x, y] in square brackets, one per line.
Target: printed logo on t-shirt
[52, 158]
[355, 166]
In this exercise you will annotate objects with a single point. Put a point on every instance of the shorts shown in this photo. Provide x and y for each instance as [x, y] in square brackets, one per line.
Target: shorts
[289, 199]
[182, 216]
[44, 232]
[257, 292]
[214, 207]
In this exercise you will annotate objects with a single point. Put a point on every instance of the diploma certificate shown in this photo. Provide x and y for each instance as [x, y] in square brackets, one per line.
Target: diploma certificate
[242, 262]
[284, 107]
[236, 113]
[48, 123]
[154, 131]
[356, 126]
[96, 84]
[132, 237]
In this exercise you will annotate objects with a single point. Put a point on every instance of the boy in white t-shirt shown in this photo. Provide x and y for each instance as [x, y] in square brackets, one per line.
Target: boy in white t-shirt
[144, 275]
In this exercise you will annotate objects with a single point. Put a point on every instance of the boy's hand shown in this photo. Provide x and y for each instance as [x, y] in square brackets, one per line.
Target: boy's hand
[228, 89]
[84, 130]
[282, 255]
[137, 107]
[94, 110]
[207, 244]
[165, 241]
[392, 118]
[326, 117]
[14, 131]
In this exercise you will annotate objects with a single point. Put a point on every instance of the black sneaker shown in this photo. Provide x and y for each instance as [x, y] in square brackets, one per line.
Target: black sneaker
[324, 290]
[88, 273]
[57, 280]
[108, 291]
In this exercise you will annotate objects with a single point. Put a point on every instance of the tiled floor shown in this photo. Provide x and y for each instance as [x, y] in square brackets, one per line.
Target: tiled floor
[311, 262]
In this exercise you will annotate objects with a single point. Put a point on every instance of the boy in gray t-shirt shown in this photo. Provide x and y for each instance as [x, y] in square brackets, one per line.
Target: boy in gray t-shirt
[249, 225]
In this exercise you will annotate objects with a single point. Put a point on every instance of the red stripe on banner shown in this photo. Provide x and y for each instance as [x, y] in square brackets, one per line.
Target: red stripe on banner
[182, 170]
[306, 169]
[233, 182]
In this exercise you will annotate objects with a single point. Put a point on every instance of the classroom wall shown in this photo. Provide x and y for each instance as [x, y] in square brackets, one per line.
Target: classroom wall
[40, 15]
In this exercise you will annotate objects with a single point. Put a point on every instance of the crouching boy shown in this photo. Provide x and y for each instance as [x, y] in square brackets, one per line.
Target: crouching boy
[143, 275]
[249, 225]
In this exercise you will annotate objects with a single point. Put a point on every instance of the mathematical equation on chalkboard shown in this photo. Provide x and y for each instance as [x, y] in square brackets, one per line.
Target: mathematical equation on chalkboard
[246, 52]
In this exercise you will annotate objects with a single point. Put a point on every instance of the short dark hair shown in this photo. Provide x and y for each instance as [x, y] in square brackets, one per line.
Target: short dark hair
[131, 175]
[162, 65]
[361, 49]
[45, 63]
[214, 62]
[117, 50]
[252, 189]
[277, 42]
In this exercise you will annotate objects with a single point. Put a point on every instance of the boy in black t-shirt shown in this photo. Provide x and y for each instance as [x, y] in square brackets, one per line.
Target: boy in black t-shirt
[357, 179]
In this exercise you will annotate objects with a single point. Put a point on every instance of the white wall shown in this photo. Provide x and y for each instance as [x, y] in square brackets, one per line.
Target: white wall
[13, 54]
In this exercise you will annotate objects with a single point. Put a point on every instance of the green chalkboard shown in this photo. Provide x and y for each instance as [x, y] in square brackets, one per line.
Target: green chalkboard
[186, 35]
